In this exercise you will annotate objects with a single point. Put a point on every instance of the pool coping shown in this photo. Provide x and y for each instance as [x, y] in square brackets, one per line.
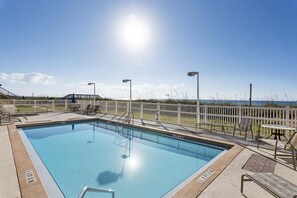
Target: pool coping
[193, 189]
[24, 164]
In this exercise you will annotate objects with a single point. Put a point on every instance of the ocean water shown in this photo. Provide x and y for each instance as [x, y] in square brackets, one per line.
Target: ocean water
[254, 102]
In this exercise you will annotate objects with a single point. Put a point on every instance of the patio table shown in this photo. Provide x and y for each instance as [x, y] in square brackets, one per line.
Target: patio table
[278, 130]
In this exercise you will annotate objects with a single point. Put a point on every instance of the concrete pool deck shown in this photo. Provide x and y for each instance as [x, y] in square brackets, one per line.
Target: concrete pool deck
[226, 184]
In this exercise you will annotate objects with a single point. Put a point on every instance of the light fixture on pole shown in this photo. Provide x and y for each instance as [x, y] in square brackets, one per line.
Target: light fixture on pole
[197, 108]
[125, 81]
[94, 90]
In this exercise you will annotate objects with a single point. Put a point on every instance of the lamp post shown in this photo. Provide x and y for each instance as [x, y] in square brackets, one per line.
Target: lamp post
[198, 109]
[250, 99]
[94, 90]
[125, 81]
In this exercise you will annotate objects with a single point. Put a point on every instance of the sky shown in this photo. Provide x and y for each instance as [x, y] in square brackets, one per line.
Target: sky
[53, 48]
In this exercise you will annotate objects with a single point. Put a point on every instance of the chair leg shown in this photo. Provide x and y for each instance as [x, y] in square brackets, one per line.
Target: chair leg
[241, 185]
[245, 135]
[252, 134]
[293, 158]
[258, 142]
[275, 149]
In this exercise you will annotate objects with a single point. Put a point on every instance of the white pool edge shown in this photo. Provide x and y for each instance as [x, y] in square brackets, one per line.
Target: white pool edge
[47, 180]
[193, 176]
[53, 190]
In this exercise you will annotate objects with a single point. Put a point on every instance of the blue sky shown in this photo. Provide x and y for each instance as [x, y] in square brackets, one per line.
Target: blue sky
[56, 47]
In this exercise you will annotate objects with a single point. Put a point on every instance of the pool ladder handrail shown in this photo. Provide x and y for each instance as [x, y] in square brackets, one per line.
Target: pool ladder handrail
[126, 117]
[91, 189]
[124, 134]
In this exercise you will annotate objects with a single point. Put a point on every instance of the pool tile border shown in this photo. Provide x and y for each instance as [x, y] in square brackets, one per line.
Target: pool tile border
[23, 163]
[195, 188]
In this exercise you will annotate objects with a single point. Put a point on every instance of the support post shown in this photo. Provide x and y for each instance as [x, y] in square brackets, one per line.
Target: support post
[287, 120]
[34, 107]
[205, 113]
[158, 109]
[141, 110]
[250, 99]
[106, 106]
[178, 113]
[66, 104]
[239, 114]
[116, 107]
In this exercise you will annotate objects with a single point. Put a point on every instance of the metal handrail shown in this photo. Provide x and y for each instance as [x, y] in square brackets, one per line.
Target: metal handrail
[122, 116]
[131, 117]
[127, 118]
[91, 189]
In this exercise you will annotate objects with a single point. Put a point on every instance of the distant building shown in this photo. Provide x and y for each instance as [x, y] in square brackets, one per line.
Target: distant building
[81, 96]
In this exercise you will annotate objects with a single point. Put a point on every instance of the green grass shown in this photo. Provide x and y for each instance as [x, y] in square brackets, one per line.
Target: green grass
[191, 121]
[24, 108]
[29, 108]
[60, 107]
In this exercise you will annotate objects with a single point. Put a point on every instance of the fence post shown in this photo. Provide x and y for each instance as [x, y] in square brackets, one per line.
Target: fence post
[66, 105]
[178, 113]
[158, 109]
[106, 107]
[79, 105]
[34, 107]
[239, 114]
[116, 107]
[287, 115]
[287, 120]
[53, 105]
[141, 110]
[205, 113]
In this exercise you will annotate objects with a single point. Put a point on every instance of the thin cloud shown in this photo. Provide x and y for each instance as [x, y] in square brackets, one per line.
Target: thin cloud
[36, 78]
[142, 91]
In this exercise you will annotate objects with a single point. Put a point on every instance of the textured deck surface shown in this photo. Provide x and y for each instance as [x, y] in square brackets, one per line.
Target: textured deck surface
[259, 164]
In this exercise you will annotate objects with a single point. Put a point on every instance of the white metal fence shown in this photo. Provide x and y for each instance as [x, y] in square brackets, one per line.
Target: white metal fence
[174, 113]
[187, 114]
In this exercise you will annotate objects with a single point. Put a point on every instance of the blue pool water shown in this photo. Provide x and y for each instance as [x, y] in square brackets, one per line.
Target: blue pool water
[132, 162]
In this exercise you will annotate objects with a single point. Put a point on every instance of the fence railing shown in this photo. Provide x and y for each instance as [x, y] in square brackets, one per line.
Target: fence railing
[180, 114]
[29, 106]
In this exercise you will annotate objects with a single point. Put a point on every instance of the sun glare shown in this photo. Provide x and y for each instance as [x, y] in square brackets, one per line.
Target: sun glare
[135, 33]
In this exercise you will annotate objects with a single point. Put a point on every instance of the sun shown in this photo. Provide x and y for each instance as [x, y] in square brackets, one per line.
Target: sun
[135, 33]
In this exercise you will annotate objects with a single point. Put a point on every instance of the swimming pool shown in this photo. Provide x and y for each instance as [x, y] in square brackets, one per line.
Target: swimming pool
[131, 161]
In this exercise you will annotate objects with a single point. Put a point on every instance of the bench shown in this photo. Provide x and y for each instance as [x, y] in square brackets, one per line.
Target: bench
[272, 183]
